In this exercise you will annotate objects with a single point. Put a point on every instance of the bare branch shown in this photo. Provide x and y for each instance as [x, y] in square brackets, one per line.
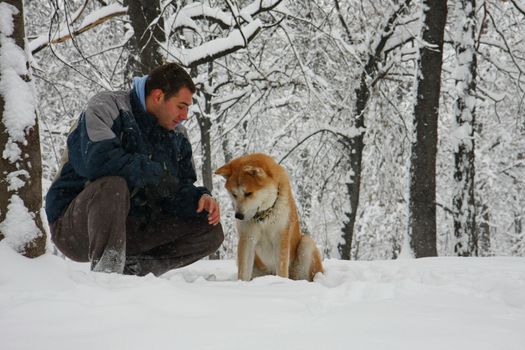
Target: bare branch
[343, 22]
[519, 6]
[342, 138]
[79, 12]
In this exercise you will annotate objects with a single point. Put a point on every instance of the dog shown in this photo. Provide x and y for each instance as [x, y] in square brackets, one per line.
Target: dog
[270, 239]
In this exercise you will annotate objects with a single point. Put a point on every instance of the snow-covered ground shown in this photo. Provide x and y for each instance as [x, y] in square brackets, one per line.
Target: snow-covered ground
[437, 303]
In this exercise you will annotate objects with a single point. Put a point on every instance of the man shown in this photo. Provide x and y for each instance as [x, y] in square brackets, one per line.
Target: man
[125, 199]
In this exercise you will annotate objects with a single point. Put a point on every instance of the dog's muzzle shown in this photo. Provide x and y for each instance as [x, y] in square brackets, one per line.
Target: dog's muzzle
[239, 216]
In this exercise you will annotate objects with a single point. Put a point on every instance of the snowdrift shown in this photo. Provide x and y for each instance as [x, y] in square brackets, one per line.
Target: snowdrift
[436, 303]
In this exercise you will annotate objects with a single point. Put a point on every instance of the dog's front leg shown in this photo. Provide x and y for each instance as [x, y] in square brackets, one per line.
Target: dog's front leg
[246, 256]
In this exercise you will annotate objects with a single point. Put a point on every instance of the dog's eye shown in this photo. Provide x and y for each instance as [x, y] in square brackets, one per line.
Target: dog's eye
[234, 195]
[248, 194]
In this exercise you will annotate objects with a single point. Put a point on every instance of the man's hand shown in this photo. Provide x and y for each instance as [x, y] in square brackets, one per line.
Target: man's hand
[208, 203]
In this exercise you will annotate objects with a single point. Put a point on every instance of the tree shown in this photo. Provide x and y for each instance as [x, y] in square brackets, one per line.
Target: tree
[20, 164]
[147, 23]
[499, 128]
[293, 91]
[83, 44]
[369, 76]
[464, 206]
[211, 34]
[67, 31]
[422, 186]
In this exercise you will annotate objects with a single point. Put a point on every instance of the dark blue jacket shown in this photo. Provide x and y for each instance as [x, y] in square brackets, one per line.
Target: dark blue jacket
[115, 136]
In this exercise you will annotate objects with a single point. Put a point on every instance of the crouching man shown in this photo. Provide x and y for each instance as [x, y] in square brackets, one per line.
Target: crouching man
[125, 198]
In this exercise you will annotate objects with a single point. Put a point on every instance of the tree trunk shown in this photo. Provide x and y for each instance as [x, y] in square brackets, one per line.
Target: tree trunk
[353, 188]
[483, 232]
[144, 46]
[205, 124]
[518, 244]
[20, 164]
[356, 144]
[463, 202]
[304, 194]
[422, 187]
[205, 129]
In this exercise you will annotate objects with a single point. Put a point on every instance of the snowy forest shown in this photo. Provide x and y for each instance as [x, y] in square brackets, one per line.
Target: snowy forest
[400, 122]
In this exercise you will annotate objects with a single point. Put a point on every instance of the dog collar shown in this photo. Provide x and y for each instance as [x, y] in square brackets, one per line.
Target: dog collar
[260, 216]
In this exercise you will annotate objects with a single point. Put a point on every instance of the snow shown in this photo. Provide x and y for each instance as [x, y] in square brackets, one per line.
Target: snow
[182, 20]
[19, 226]
[520, 5]
[198, 9]
[7, 12]
[102, 12]
[18, 117]
[14, 181]
[432, 303]
[96, 16]
[187, 57]
[19, 109]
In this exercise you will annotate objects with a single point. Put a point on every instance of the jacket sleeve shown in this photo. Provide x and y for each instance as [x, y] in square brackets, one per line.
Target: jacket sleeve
[187, 198]
[96, 151]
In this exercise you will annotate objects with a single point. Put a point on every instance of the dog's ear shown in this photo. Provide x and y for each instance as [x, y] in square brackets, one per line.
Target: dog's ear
[254, 171]
[224, 171]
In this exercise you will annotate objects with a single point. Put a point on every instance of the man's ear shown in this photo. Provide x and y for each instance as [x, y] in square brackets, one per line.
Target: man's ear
[156, 95]
[224, 171]
[254, 171]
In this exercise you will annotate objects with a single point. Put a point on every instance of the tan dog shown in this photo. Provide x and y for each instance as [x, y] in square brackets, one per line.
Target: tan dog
[270, 240]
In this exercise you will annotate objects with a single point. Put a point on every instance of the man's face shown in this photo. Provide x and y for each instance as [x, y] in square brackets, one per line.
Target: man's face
[170, 112]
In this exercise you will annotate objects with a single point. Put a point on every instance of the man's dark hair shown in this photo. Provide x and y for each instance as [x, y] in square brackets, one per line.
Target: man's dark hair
[170, 78]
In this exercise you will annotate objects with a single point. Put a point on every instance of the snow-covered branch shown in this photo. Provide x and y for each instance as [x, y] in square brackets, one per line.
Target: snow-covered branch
[219, 47]
[95, 18]
[199, 11]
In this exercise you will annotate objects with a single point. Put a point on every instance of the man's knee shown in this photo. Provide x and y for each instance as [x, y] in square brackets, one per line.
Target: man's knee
[118, 183]
[109, 195]
[112, 188]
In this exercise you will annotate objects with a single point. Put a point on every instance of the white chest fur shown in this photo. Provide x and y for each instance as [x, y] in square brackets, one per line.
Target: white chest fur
[266, 235]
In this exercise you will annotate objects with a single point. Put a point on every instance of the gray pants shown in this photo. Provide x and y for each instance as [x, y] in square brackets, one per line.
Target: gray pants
[96, 227]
